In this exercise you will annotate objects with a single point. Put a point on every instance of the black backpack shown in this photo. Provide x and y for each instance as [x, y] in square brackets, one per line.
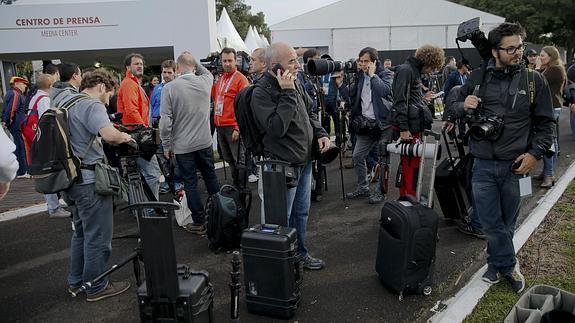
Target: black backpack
[227, 216]
[54, 166]
[252, 137]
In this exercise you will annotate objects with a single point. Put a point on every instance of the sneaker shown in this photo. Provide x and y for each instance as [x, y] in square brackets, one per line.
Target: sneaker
[112, 289]
[59, 213]
[376, 198]
[312, 263]
[25, 175]
[491, 275]
[467, 228]
[253, 178]
[357, 194]
[199, 229]
[516, 279]
[75, 290]
[375, 173]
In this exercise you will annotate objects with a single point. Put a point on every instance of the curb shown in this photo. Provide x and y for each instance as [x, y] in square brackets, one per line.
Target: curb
[463, 303]
[22, 212]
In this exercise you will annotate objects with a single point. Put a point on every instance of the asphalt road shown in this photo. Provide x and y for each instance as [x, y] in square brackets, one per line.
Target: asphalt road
[34, 264]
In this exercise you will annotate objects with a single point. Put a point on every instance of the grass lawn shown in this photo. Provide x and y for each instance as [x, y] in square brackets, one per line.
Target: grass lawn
[548, 258]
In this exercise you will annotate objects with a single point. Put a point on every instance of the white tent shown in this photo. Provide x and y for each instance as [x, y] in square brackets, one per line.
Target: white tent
[387, 25]
[264, 42]
[251, 40]
[228, 35]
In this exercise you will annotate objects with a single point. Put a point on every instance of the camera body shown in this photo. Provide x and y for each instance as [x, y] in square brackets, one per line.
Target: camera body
[213, 63]
[484, 126]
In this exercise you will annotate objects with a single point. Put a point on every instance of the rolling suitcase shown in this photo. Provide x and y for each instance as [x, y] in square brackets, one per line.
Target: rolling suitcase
[272, 270]
[452, 185]
[407, 236]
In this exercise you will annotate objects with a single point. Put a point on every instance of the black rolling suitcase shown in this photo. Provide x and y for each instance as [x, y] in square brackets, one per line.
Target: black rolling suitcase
[407, 236]
[272, 270]
[452, 185]
[171, 293]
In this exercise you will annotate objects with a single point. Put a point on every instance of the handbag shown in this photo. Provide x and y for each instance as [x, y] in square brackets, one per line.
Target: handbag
[108, 180]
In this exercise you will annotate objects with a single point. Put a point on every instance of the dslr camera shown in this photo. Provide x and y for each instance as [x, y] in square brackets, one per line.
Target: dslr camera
[470, 30]
[484, 126]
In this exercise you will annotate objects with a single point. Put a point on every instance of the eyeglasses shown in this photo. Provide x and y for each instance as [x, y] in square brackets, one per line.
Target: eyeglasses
[513, 50]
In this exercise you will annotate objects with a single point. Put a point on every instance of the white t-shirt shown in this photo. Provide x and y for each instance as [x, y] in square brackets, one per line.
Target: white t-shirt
[43, 104]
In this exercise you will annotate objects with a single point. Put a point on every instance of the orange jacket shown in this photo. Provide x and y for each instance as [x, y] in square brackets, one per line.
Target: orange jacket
[133, 101]
[228, 116]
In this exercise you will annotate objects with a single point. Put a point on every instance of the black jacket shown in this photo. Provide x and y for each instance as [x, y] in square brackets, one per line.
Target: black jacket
[285, 117]
[407, 91]
[527, 127]
[380, 88]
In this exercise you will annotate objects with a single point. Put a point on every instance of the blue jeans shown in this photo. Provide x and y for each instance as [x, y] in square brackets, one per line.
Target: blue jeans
[20, 150]
[549, 162]
[365, 146]
[497, 201]
[91, 245]
[151, 171]
[188, 165]
[299, 201]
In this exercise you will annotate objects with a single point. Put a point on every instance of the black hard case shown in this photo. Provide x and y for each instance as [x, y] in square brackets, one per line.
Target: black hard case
[194, 302]
[407, 238]
[272, 270]
[452, 184]
[171, 292]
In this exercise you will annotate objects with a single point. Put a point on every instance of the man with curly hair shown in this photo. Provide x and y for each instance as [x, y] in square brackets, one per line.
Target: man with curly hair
[411, 114]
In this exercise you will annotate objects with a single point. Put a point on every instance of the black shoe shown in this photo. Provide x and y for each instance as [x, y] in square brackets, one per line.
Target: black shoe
[491, 275]
[357, 194]
[467, 228]
[376, 198]
[516, 279]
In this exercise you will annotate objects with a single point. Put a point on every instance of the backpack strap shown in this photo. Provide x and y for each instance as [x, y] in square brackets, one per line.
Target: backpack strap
[35, 106]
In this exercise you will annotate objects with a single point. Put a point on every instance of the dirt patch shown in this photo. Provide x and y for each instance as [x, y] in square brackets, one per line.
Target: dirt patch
[542, 257]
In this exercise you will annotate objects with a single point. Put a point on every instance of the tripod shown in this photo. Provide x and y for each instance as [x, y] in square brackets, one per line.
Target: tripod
[141, 199]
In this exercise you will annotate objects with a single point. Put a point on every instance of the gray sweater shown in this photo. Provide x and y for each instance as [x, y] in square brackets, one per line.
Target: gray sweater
[185, 112]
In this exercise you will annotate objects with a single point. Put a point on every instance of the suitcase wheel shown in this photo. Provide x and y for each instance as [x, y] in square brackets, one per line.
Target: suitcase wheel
[427, 290]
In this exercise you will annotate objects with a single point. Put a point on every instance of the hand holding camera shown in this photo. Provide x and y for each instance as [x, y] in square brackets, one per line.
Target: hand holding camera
[471, 102]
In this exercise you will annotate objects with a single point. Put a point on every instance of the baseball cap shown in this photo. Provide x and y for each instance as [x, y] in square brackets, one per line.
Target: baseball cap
[531, 52]
[16, 79]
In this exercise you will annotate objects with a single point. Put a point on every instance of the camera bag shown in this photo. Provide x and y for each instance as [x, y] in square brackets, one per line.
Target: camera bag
[405, 258]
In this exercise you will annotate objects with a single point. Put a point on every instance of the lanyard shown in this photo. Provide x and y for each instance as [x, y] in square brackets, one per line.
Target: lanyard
[220, 93]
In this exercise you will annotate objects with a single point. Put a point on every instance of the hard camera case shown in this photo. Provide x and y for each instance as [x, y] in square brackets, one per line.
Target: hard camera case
[272, 270]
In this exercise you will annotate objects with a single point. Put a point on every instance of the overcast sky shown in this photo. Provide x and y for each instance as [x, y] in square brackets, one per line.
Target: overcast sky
[280, 10]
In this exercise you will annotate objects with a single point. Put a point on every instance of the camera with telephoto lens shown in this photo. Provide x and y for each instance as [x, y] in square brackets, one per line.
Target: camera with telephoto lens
[484, 126]
[324, 66]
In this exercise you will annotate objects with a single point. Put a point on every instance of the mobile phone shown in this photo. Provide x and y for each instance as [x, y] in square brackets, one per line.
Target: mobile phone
[436, 95]
[278, 67]
[516, 165]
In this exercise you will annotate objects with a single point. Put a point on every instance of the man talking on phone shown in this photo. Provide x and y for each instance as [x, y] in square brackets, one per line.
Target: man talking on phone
[283, 112]
[370, 117]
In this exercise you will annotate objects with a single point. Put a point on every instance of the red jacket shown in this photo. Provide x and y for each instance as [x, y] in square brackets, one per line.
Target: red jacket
[227, 116]
[133, 101]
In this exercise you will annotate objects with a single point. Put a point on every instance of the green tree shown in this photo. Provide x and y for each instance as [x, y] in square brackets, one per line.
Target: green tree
[242, 18]
[547, 22]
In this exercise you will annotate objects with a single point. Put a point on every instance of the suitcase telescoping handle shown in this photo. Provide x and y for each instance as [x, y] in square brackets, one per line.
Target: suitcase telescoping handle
[437, 137]
[458, 145]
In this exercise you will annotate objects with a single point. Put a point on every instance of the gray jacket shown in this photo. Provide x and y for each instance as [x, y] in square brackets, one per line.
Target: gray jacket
[185, 112]
[61, 92]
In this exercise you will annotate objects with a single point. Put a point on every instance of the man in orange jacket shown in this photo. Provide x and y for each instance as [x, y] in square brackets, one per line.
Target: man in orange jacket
[224, 91]
[133, 103]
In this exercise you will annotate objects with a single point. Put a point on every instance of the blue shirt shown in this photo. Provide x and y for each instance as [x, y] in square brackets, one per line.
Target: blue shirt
[155, 101]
